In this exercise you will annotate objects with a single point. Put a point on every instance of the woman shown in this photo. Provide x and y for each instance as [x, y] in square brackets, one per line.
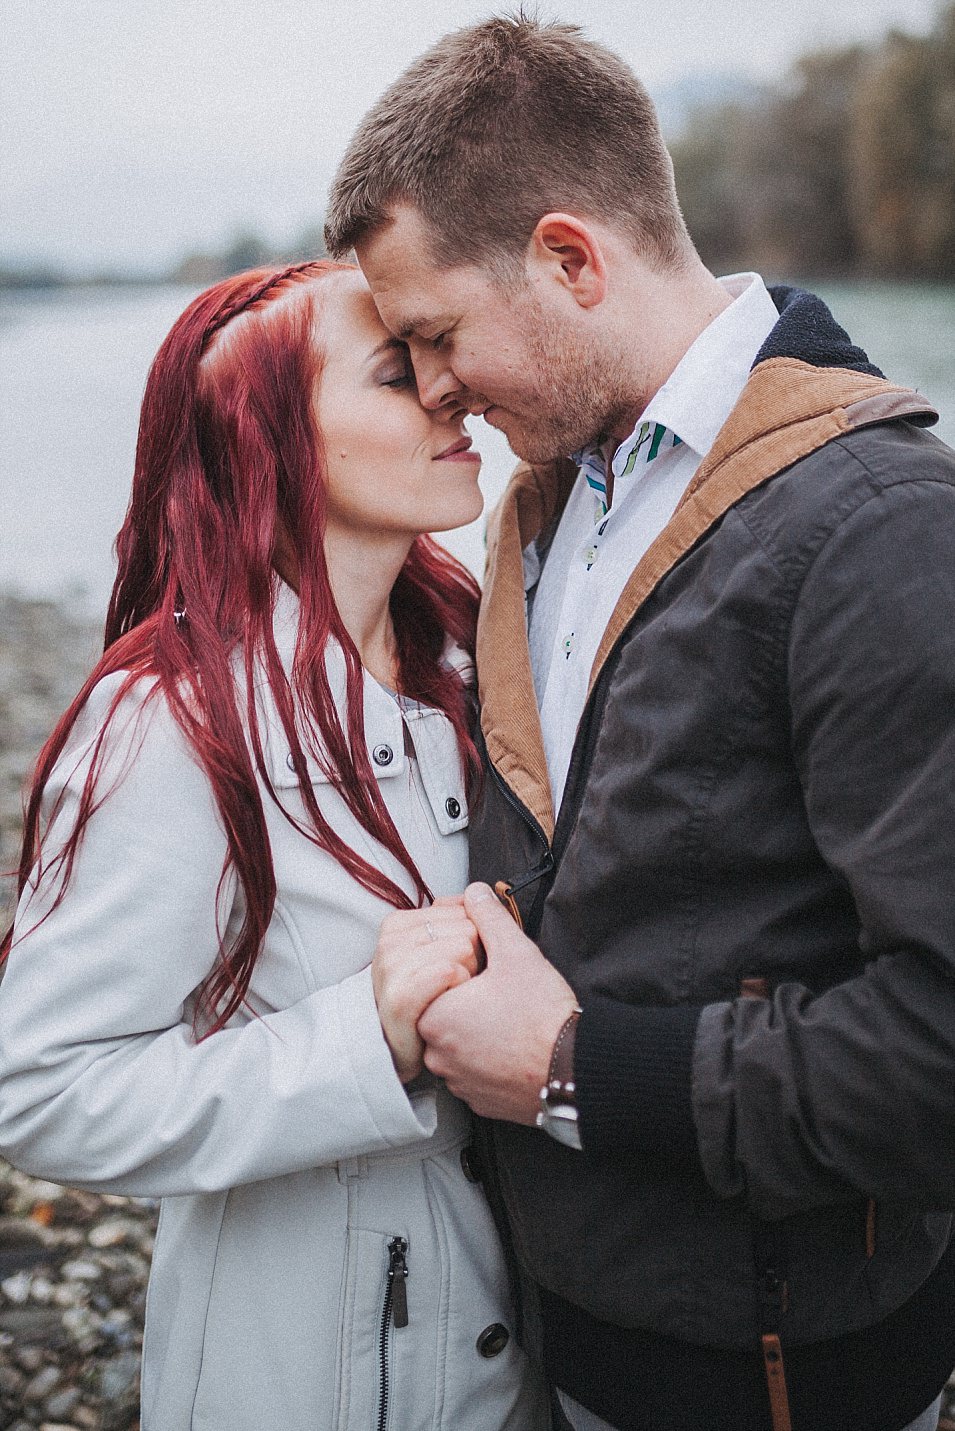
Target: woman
[272, 754]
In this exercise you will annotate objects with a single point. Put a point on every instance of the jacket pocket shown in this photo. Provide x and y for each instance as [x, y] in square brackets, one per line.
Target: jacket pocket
[374, 1319]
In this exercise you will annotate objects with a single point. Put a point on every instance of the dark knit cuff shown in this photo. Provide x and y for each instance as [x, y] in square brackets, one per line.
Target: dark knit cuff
[633, 1069]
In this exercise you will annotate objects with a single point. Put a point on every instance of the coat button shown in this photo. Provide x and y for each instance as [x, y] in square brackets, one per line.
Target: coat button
[382, 755]
[469, 1164]
[493, 1340]
[453, 807]
[290, 761]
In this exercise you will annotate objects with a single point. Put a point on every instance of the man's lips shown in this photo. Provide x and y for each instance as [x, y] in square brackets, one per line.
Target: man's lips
[459, 451]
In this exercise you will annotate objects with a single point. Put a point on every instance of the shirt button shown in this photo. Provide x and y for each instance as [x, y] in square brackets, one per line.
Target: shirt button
[567, 645]
[493, 1340]
[468, 1165]
[453, 807]
[383, 755]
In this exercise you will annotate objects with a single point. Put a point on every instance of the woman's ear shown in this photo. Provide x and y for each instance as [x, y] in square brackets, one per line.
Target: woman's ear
[567, 250]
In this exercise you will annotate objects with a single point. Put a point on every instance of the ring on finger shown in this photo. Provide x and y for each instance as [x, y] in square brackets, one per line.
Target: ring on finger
[430, 928]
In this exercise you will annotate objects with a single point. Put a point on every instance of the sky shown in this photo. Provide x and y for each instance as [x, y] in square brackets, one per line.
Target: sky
[135, 131]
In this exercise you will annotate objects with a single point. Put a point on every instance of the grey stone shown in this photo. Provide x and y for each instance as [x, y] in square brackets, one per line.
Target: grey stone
[119, 1377]
[11, 1381]
[16, 1289]
[33, 1326]
[61, 1405]
[113, 1231]
[81, 1270]
[29, 1358]
[42, 1384]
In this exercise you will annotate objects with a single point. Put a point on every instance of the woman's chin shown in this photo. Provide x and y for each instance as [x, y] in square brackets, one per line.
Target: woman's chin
[458, 514]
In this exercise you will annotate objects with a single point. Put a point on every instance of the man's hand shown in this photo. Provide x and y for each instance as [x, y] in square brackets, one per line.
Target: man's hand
[420, 953]
[492, 1038]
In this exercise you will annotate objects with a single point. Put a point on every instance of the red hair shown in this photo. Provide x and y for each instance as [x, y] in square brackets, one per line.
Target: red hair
[228, 442]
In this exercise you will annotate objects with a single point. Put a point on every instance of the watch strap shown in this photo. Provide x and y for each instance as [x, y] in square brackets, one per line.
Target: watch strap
[560, 1075]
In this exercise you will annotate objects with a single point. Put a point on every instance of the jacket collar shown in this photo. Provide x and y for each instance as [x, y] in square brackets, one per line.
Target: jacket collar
[381, 714]
[790, 407]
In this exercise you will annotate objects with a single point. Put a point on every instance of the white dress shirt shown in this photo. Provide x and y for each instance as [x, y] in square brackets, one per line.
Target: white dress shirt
[595, 549]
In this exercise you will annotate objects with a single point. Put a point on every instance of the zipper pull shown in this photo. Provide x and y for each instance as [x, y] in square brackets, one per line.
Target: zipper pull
[506, 889]
[397, 1280]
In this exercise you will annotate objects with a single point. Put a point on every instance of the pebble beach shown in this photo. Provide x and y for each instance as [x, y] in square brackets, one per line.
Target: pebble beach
[73, 1265]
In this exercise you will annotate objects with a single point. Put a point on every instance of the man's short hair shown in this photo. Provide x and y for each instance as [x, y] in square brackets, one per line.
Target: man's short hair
[495, 126]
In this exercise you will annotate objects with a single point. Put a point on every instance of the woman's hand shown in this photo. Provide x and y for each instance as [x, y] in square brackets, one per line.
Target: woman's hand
[420, 954]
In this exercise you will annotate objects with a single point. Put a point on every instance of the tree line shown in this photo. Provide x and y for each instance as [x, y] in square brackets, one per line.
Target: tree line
[848, 168]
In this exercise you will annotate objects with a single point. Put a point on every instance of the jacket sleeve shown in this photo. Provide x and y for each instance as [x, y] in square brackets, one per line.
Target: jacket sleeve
[803, 1100]
[102, 1082]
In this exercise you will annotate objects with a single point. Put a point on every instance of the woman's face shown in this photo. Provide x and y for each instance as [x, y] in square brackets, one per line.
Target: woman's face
[391, 466]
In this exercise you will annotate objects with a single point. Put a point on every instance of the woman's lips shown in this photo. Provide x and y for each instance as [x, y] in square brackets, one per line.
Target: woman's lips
[459, 451]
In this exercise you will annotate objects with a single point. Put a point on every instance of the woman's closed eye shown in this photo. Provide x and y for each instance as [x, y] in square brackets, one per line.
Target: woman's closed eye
[404, 378]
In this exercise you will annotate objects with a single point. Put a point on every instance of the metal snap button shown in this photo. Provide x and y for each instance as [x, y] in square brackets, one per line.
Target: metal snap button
[382, 755]
[468, 1165]
[290, 761]
[493, 1340]
[453, 807]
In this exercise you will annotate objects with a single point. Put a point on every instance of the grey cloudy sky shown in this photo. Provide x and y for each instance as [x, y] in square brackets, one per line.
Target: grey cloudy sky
[136, 130]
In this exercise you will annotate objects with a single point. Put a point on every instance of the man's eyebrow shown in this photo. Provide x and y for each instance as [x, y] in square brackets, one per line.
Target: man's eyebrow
[384, 346]
[411, 326]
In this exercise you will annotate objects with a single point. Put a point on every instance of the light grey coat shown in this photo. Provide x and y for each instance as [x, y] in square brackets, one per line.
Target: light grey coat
[286, 1151]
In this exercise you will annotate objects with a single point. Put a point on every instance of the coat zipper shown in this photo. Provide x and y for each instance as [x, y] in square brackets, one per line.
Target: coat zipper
[570, 804]
[521, 809]
[506, 889]
[394, 1308]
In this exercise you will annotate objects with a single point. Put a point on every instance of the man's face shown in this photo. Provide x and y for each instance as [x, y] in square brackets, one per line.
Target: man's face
[506, 351]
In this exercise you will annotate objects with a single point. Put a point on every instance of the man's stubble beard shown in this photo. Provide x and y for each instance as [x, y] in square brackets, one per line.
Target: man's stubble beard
[577, 391]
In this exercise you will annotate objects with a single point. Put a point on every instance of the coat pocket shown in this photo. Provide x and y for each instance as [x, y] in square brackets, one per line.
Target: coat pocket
[374, 1319]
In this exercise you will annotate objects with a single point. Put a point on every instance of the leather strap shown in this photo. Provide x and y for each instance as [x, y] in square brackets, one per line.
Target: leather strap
[776, 1383]
[562, 1059]
[506, 895]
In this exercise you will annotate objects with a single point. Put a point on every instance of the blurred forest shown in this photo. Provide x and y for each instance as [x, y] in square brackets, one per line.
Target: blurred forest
[846, 169]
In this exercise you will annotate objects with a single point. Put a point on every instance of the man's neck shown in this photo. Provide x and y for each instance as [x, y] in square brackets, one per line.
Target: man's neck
[675, 307]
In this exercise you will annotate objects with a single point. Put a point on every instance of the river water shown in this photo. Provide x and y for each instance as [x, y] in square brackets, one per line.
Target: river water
[72, 369]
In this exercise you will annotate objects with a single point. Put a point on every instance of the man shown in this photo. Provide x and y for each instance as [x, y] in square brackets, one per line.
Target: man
[720, 795]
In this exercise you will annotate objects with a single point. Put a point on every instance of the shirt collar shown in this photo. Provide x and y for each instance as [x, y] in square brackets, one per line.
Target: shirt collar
[704, 387]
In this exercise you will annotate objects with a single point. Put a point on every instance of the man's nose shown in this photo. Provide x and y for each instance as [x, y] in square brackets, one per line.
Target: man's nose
[437, 385]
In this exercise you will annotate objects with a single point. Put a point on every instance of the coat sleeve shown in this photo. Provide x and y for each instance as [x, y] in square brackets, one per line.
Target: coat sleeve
[102, 1082]
[804, 1100]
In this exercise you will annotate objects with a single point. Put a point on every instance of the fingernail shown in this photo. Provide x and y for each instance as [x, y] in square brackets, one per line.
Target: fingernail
[480, 891]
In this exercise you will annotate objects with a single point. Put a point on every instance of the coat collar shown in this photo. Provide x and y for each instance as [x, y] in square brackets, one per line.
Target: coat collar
[788, 409]
[382, 717]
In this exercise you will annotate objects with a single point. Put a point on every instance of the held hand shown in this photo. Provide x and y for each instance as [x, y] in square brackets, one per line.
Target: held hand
[491, 1039]
[420, 954]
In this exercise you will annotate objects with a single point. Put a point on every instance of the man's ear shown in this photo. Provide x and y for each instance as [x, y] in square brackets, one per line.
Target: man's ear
[567, 249]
